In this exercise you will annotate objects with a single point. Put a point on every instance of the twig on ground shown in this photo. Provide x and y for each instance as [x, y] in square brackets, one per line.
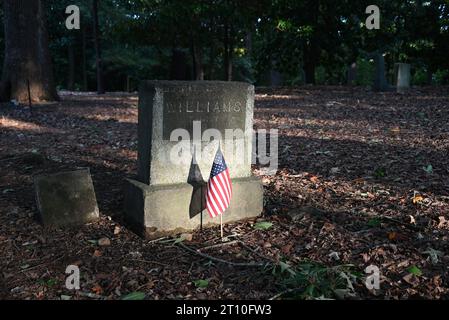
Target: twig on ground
[407, 225]
[42, 264]
[157, 240]
[255, 252]
[280, 294]
[218, 245]
[91, 295]
[235, 264]
[11, 158]
[150, 262]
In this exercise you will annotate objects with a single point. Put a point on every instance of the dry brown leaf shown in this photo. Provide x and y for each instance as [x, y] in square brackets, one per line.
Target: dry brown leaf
[97, 253]
[417, 199]
[97, 289]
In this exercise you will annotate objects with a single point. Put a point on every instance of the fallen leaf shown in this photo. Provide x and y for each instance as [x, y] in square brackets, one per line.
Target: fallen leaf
[443, 223]
[395, 130]
[97, 289]
[201, 283]
[137, 295]
[392, 236]
[335, 256]
[415, 270]
[417, 199]
[97, 253]
[263, 225]
[411, 279]
[104, 242]
[286, 249]
[187, 236]
[434, 255]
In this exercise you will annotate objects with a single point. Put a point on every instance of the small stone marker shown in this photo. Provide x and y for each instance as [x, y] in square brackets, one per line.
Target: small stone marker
[402, 77]
[352, 74]
[159, 202]
[66, 198]
[276, 79]
[380, 80]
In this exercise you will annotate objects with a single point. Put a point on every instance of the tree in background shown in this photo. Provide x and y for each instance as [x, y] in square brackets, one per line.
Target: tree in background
[98, 60]
[27, 57]
[303, 41]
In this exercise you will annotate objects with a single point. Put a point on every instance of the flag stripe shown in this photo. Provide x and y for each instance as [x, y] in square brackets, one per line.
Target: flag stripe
[218, 206]
[222, 192]
[212, 209]
[219, 188]
[209, 206]
[216, 193]
[225, 187]
[212, 205]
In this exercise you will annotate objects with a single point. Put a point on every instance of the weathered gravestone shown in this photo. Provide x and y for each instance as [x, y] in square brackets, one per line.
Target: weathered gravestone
[380, 80]
[276, 79]
[177, 120]
[402, 72]
[66, 198]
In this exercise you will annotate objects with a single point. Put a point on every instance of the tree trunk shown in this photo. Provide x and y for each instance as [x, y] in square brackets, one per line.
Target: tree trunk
[96, 33]
[309, 69]
[27, 56]
[249, 43]
[352, 74]
[71, 73]
[212, 57]
[128, 83]
[311, 50]
[429, 76]
[197, 59]
[228, 48]
[178, 66]
[311, 56]
[84, 61]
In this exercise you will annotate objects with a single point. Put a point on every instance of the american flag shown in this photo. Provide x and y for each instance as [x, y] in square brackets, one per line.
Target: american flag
[219, 187]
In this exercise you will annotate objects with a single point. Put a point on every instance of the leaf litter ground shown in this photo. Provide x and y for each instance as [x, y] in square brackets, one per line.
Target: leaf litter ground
[363, 179]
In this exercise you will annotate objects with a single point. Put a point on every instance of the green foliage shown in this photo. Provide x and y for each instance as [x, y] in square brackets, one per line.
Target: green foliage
[375, 222]
[365, 71]
[48, 282]
[380, 172]
[320, 74]
[137, 295]
[419, 77]
[415, 270]
[138, 37]
[263, 225]
[428, 169]
[201, 283]
[442, 77]
[311, 280]
[244, 69]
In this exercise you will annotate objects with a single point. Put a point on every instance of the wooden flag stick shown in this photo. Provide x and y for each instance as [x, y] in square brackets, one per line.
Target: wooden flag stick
[201, 213]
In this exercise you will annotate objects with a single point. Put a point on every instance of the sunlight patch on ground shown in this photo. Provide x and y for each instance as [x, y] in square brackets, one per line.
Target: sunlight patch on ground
[20, 125]
[278, 96]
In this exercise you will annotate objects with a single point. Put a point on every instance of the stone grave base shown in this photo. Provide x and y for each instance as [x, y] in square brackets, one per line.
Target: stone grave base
[158, 211]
